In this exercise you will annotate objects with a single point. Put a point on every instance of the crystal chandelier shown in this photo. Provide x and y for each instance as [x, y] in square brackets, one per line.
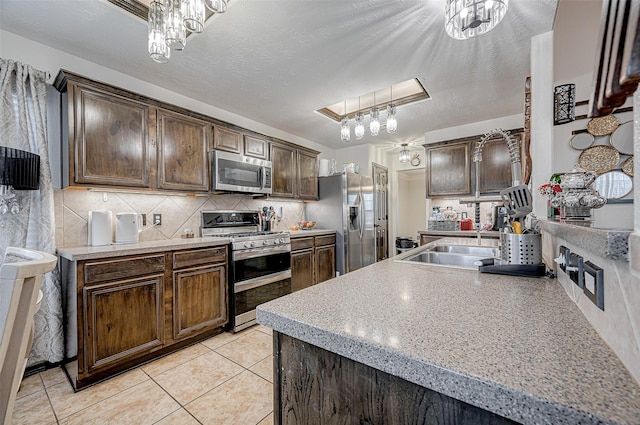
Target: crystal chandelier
[345, 130]
[169, 21]
[359, 128]
[404, 156]
[468, 18]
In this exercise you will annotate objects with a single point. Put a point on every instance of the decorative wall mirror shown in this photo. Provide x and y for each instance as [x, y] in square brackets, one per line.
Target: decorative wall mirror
[613, 184]
[622, 138]
[581, 141]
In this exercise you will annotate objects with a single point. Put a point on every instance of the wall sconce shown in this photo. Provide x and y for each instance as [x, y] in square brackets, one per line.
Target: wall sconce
[564, 104]
[19, 170]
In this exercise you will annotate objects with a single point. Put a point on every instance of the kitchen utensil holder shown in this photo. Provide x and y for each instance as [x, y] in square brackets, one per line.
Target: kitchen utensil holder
[521, 248]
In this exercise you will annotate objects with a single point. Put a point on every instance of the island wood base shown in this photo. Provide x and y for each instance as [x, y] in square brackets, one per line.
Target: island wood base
[316, 386]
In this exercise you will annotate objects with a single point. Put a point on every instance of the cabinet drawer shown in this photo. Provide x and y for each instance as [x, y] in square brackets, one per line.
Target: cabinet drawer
[102, 271]
[199, 256]
[325, 240]
[301, 243]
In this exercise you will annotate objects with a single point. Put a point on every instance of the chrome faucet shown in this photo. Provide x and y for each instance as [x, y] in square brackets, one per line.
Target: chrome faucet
[516, 167]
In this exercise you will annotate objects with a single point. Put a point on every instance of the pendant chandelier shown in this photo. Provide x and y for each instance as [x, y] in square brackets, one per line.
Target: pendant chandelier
[345, 130]
[169, 21]
[469, 18]
[404, 156]
[374, 119]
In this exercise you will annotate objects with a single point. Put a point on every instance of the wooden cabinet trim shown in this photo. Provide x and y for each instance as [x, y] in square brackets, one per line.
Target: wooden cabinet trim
[103, 271]
[225, 139]
[325, 240]
[196, 257]
[182, 330]
[302, 243]
[256, 147]
[93, 339]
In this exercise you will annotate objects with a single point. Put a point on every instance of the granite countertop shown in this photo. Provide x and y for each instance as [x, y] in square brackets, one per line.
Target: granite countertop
[606, 243]
[78, 253]
[457, 233]
[311, 232]
[515, 346]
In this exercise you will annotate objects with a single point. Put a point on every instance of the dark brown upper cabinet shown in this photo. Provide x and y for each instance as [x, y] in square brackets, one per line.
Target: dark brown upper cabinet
[295, 172]
[183, 146]
[451, 170]
[228, 140]
[109, 139]
[256, 147]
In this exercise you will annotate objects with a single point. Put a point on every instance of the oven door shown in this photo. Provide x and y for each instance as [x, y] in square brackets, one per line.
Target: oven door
[253, 264]
[238, 173]
[251, 293]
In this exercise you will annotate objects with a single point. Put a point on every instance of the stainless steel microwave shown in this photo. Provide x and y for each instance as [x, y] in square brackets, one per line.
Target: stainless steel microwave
[238, 173]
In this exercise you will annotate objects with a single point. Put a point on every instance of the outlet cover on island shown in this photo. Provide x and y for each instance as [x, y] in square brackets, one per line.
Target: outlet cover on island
[157, 219]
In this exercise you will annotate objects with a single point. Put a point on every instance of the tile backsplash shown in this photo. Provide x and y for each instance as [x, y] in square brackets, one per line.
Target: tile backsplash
[178, 211]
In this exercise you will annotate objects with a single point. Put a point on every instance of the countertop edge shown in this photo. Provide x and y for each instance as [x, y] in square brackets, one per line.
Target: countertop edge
[78, 253]
[607, 243]
[493, 397]
[313, 232]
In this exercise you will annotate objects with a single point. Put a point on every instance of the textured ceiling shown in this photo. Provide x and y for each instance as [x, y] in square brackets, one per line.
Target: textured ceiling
[277, 61]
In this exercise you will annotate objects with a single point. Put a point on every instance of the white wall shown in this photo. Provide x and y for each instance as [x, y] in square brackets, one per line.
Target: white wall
[476, 128]
[51, 60]
[412, 214]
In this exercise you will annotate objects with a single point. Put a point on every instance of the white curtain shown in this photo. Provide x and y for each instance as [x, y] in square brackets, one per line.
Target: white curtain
[23, 125]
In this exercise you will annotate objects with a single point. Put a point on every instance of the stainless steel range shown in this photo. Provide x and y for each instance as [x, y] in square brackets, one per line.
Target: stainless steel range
[260, 265]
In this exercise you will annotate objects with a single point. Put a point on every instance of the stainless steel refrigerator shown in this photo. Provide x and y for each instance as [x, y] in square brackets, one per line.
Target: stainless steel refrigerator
[346, 204]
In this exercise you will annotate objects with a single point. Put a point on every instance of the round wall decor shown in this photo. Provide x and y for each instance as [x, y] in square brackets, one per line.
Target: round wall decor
[599, 159]
[603, 125]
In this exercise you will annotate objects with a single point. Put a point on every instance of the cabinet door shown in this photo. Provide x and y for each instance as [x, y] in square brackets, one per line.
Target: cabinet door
[199, 300]
[182, 152]
[448, 170]
[123, 320]
[109, 137]
[301, 269]
[255, 147]
[495, 167]
[226, 140]
[283, 174]
[307, 176]
[425, 239]
[325, 263]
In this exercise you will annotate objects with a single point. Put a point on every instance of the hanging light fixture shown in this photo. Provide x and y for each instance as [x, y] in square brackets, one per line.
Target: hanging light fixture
[359, 128]
[345, 130]
[169, 21]
[193, 15]
[216, 6]
[175, 33]
[19, 170]
[392, 122]
[158, 48]
[404, 156]
[469, 18]
[374, 122]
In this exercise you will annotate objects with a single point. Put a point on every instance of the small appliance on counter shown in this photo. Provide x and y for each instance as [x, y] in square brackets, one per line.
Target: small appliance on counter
[128, 227]
[404, 243]
[100, 228]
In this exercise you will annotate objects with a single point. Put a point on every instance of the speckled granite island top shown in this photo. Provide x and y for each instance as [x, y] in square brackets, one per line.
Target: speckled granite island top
[514, 346]
[78, 253]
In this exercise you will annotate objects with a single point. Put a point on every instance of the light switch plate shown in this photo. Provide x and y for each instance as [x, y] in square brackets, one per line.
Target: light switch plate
[564, 252]
[594, 284]
[576, 276]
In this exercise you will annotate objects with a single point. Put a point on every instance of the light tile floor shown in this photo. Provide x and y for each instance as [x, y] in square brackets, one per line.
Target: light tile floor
[226, 379]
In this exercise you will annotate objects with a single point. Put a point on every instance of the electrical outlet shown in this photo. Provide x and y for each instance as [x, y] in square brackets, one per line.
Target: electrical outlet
[144, 219]
[575, 264]
[594, 284]
[157, 219]
[564, 254]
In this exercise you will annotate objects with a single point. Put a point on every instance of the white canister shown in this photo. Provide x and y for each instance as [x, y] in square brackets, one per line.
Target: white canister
[323, 169]
[128, 226]
[100, 228]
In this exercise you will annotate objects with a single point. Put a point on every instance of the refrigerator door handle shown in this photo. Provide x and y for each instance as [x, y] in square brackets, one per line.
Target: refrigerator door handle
[361, 217]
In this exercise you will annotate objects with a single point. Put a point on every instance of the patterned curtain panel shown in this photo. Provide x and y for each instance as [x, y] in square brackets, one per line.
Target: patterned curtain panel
[23, 125]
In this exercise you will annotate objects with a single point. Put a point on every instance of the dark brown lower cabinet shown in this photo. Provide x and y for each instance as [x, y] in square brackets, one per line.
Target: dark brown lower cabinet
[124, 319]
[313, 260]
[135, 308]
[316, 386]
[301, 269]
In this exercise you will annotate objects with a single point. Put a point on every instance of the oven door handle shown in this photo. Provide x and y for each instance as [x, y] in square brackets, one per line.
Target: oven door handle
[260, 252]
[260, 281]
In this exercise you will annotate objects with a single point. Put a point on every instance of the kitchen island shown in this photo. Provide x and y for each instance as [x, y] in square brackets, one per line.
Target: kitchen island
[480, 348]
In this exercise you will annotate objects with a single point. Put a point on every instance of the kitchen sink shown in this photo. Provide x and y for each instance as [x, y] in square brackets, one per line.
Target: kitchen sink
[484, 251]
[462, 256]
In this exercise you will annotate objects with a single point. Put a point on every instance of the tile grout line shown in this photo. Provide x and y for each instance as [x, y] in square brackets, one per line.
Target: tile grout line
[55, 415]
[182, 407]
